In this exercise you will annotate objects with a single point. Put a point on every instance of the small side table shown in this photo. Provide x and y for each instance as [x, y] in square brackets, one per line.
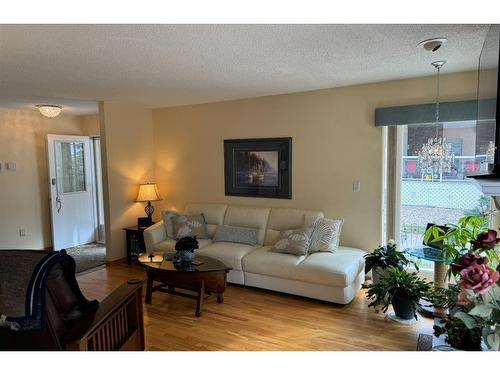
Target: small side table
[135, 242]
[440, 269]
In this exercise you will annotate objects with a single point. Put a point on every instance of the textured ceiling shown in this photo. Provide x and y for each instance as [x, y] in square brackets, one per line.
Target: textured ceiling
[166, 65]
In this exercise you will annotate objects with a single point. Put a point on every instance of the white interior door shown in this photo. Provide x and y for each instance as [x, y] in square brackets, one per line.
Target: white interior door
[71, 190]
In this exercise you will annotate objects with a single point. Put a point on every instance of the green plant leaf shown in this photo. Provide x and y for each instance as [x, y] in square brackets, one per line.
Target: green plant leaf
[493, 341]
[468, 320]
[482, 311]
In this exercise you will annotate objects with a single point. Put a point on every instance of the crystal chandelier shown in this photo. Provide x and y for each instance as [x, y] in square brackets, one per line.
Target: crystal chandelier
[436, 156]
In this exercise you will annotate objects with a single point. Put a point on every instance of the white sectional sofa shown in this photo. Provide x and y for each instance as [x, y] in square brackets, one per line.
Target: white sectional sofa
[334, 277]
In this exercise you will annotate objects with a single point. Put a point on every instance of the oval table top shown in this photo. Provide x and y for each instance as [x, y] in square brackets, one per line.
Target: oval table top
[199, 264]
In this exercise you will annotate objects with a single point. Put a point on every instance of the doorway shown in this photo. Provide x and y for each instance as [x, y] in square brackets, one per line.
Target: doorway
[76, 198]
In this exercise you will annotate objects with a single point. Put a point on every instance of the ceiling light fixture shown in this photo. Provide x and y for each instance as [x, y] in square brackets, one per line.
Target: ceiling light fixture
[432, 45]
[49, 110]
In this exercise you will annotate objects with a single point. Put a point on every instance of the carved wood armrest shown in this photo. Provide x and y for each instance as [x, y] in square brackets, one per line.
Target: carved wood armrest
[118, 316]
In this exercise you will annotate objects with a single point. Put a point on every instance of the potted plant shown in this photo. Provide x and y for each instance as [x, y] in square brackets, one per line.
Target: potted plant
[472, 249]
[384, 257]
[402, 289]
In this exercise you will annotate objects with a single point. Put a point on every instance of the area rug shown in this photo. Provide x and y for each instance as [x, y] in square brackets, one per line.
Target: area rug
[88, 256]
[424, 342]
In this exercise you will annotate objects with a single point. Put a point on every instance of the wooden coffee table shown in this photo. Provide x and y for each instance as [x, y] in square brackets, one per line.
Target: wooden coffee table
[209, 276]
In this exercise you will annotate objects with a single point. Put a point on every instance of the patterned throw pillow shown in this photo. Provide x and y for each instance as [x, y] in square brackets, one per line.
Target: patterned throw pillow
[189, 225]
[225, 233]
[167, 222]
[293, 241]
[325, 235]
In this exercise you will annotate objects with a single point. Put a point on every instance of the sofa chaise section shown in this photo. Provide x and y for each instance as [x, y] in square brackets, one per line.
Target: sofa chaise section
[334, 277]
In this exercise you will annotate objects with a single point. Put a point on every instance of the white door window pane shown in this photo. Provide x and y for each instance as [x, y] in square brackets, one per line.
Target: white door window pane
[70, 167]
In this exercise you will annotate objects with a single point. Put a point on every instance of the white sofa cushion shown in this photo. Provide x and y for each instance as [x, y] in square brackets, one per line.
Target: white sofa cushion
[227, 252]
[287, 218]
[213, 212]
[265, 262]
[168, 245]
[335, 269]
[248, 217]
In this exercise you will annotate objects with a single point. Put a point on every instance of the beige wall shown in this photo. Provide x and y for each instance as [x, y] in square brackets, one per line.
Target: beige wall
[91, 125]
[127, 156]
[24, 194]
[334, 143]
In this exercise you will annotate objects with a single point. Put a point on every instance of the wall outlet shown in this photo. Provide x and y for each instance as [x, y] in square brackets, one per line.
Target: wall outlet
[356, 186]
[22, 232]
[11, 166]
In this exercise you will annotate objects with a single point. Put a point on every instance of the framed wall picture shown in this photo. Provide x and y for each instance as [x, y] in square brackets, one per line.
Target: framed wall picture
[259, 167]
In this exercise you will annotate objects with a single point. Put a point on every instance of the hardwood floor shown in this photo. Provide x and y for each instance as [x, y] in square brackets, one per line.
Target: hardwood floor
[254, 319]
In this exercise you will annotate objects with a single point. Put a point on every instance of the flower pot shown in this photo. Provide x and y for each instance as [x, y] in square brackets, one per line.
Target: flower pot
[184, 256]
[403, 307]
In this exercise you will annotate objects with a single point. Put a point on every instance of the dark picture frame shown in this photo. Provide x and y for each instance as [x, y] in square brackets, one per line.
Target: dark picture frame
[259, 167]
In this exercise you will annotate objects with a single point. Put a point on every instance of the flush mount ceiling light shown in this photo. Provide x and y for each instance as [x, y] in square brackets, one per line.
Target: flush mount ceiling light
[432, 45]
[49, 110]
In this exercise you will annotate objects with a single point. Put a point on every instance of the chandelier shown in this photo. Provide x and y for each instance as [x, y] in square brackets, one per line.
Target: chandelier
[436, 156]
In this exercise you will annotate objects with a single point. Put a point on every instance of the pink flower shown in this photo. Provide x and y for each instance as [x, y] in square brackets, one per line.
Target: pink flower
[468, 260]
[478, 278]
[486, 240]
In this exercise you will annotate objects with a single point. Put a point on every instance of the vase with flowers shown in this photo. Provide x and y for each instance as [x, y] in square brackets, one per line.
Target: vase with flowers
[185, 249]
[472, 249]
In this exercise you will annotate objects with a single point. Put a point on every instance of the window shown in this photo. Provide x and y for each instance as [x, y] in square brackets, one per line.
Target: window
[70, 167]
[429, 198]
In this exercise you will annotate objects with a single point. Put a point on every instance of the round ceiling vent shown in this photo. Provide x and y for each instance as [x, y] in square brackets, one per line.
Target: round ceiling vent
[432, 45]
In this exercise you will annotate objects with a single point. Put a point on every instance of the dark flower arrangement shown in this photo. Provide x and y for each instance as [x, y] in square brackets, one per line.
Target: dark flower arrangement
[187, 244]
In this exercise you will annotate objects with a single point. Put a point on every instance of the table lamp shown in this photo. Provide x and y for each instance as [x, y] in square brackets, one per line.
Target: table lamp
[147, 193]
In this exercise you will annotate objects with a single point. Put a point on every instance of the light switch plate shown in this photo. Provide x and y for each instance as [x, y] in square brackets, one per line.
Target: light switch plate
[11, 166]
[356, 186]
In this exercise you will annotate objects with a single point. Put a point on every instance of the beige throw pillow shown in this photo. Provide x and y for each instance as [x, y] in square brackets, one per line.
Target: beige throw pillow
[325, 235]
[293, 241]
[167, 222]
[189, 225]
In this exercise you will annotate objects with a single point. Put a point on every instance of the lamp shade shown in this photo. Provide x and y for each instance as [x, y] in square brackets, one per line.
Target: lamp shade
[148, 192]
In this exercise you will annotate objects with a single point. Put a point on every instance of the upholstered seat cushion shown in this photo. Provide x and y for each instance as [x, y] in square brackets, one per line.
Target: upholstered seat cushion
[333, 269]
[169, 245]
[263, 261]
[227, 252]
